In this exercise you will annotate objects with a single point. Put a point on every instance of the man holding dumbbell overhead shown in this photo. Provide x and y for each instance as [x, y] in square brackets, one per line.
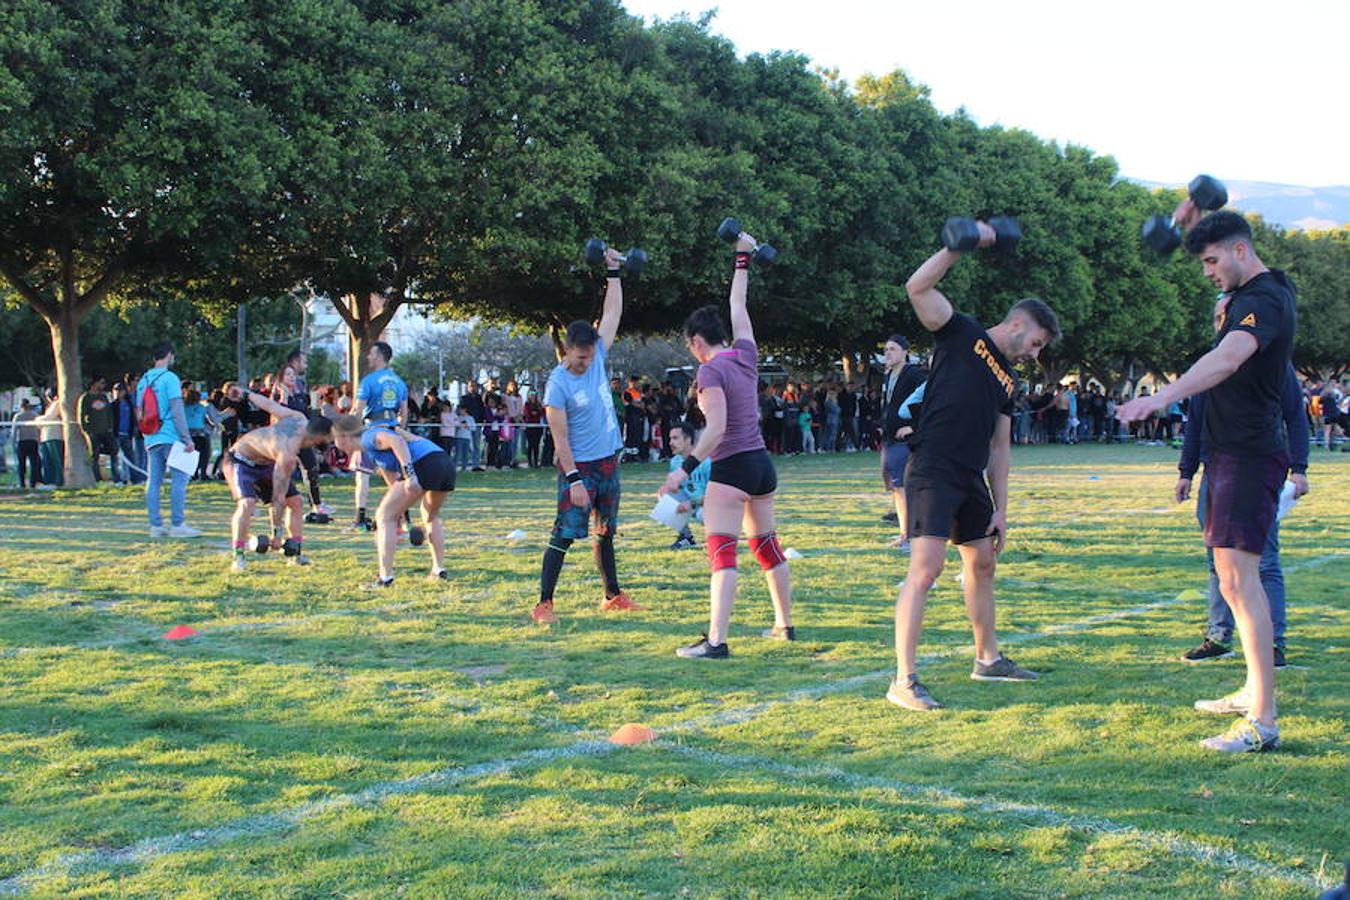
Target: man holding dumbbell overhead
[963, 433]
[580, 412]
[261, 465]
[1249, 455]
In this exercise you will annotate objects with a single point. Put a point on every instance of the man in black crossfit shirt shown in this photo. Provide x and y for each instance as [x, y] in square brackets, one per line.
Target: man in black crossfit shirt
[1249, 456]
[964, 428]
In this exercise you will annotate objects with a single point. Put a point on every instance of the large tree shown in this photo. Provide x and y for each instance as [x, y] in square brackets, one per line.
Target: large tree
[131, 155]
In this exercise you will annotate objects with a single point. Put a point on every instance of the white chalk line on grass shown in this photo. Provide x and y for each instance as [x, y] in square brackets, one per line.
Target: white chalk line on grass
[284, 820]
[1168, 842]
[272, 823]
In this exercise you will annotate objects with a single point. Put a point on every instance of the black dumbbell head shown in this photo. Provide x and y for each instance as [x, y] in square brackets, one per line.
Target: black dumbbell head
[730, 230]
[1160, 234]
[765, 255]
[960, 234]
[261, 544]
[1009, 232]
[1207, 192]
[417, 535]
[290, 547]
[595, 251]
[635, 260]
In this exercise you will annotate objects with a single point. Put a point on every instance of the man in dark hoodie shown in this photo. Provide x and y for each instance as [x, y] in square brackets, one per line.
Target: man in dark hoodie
[1249, 452]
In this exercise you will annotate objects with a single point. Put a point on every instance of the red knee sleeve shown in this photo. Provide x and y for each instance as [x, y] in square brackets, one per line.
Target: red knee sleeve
[767, 550]
[721, 551]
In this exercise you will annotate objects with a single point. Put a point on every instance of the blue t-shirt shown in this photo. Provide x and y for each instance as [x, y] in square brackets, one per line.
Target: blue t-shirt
[592, 426]
[167, 388]
[195, 413]
[385, 459]
[384, 393]
[696, 485]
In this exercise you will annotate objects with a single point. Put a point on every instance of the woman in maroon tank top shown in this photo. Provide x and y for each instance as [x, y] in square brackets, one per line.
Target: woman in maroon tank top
[742, 485]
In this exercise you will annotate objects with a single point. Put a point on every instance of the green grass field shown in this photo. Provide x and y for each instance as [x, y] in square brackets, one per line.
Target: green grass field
[316, 740]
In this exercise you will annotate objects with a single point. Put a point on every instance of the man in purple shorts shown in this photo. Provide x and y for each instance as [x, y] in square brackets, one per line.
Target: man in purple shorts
[1249, 456]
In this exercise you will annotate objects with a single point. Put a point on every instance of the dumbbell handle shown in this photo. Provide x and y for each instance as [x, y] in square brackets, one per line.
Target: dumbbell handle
[743, 236]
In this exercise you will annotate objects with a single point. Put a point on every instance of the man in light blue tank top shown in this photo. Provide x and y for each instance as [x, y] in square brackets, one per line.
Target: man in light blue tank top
[580, 412]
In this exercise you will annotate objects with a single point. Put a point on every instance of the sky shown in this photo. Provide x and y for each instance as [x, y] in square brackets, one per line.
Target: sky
[1246, 91]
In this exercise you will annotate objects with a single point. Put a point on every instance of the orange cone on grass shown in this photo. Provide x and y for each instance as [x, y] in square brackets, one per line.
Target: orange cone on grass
[632, 734]
[180, 632]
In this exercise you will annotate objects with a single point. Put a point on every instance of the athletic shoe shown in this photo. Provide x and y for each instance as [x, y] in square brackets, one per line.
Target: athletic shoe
[238, 564]
[619, 603]
[912, 695]
[1206, 651]
[183, 531]
[891, 517]
[378, 584]
[900, 543]
[543, 613]
[684, 543]
[1279, 657]
[779, 633]
[158, 531]
[438, 575]
[1235, 703]
[1002, 669]
[1245, 736]
[299, 559]
[324, 509]
[361, 525]
[701, 649]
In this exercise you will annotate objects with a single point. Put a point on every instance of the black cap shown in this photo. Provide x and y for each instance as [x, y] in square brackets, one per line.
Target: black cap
[899, 339]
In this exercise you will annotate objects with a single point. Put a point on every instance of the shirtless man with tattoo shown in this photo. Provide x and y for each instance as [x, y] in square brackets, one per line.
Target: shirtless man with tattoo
[261, 465]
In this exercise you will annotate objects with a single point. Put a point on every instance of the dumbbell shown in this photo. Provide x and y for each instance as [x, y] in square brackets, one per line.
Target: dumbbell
[261, 543]
[730, 231]
[317, 518]
[417, 535]
[961, 234]
[1161, 232]
[633, 262]
[290, 547]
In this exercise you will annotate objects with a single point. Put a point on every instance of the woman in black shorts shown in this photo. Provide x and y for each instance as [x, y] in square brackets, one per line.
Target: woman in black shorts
[741, 488]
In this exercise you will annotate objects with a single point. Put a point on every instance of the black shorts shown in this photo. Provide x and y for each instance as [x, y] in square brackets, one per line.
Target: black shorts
[435, 472]
[751, 471]
[947, 504]
[1244, 496]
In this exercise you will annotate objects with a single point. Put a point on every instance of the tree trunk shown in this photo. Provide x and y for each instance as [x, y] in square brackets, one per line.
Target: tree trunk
[850, 365]
[65, 328]
[366, 315]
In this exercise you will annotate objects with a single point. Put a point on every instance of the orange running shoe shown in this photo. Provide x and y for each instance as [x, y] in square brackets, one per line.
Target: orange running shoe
[543, 613]
[619, 602]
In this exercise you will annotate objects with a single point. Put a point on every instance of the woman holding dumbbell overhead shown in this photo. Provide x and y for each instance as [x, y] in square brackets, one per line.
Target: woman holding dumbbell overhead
[743, 481]
[416, 470]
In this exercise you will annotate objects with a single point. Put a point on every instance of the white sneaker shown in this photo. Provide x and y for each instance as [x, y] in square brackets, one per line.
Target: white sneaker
[1234, 704]
[1245, 736]
[183, 531]
[238, 564]
[158, 531]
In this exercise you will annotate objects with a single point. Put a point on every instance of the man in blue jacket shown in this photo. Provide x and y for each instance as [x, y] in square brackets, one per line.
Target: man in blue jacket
[1218, 642]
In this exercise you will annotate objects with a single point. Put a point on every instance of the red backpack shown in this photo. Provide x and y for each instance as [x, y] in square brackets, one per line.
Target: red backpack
[149, 411]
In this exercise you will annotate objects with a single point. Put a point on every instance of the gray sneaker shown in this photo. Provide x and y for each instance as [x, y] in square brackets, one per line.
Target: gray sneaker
[1234, 704]
[912, 695]
[1002, 669]
[1245, 736]
[158, 531]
